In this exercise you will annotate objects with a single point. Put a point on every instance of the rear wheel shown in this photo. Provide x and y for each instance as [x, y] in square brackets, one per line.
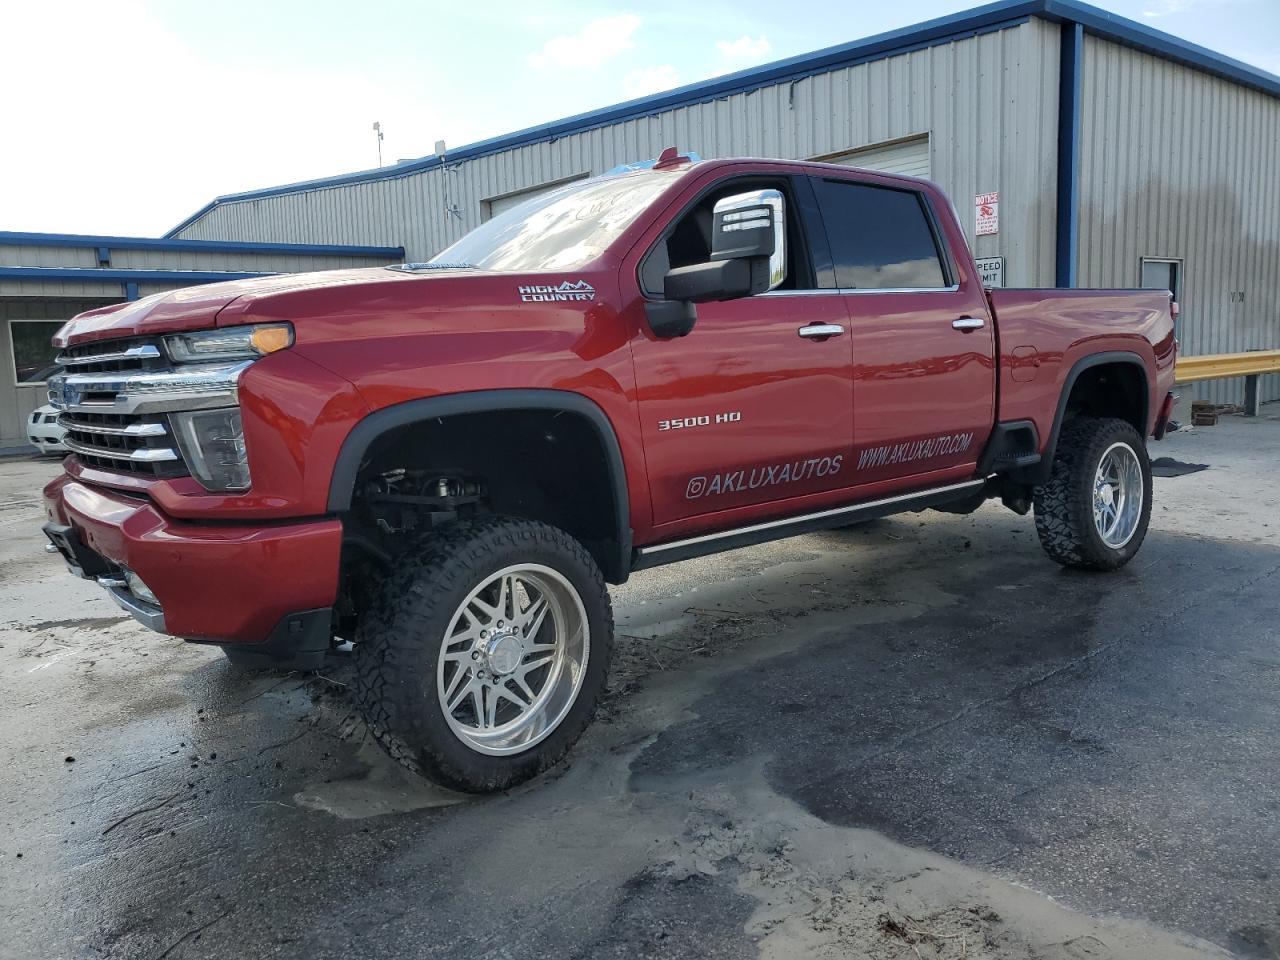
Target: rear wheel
[483, 657]
[1093, 512]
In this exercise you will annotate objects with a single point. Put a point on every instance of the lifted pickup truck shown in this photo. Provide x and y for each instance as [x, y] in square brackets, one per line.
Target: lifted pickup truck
[443, 463]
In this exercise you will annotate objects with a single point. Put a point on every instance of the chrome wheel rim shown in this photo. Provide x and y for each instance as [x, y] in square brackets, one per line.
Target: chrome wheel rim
[1117, 495]
[513, 659]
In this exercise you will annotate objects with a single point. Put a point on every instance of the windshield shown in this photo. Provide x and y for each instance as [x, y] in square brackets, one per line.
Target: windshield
[560, 230]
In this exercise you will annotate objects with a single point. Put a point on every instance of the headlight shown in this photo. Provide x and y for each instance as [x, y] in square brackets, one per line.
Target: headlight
[232, 343]
[212, 443]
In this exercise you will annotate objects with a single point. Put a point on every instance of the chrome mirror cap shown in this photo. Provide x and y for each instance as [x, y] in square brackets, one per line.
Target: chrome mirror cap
[740, 222]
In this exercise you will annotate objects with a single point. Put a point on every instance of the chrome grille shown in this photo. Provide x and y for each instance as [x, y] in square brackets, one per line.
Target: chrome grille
[114, 356]
[128, 443]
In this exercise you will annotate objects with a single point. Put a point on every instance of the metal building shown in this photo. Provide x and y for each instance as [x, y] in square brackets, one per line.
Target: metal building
[47, 278]
[1098, 151]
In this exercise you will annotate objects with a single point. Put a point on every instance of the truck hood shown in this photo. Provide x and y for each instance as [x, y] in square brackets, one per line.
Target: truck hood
[206, 305]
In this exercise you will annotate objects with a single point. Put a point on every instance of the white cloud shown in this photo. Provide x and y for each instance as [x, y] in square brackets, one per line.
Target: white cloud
[639, 83]
[71, 164]
[745, 49]
[598, 42]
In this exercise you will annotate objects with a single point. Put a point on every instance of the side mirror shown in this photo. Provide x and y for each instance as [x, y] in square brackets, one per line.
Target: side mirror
[752, 226]
[669, 319]
[748, 257]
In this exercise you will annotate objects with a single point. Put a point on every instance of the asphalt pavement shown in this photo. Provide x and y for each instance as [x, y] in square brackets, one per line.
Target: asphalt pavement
[917, 737]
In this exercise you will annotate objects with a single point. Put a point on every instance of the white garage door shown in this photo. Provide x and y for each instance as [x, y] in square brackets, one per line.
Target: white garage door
[496, 205]
[907, 157]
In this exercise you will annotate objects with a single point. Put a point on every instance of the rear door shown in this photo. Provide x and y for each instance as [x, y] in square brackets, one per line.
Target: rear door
[751, 408]
[923, 343]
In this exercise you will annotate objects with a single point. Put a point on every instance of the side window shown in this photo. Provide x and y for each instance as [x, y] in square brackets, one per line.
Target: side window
[689, 241]
[881, 238]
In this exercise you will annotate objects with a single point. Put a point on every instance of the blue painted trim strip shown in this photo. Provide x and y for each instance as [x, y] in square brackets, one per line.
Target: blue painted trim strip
[1070, 69]
[10, 238]
[988, 18]
[123, 276]
[131, 290]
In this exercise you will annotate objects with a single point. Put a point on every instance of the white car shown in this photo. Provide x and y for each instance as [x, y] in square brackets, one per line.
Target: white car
[44, 431]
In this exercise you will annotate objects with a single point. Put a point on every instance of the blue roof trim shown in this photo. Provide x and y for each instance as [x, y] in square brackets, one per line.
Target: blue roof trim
[125, 276]
[9, 238]
[984, 19]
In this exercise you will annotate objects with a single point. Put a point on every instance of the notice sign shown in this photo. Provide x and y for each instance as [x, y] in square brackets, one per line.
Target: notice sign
[986, 212]
[991, 269]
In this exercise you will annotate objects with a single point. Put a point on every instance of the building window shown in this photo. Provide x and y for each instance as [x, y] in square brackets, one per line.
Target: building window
[33, 350]
[880, 238]
[1161, 274]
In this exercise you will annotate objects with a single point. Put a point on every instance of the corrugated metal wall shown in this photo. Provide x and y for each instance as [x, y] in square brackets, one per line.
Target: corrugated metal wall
[1176, 163]
[21, 255]
[18, 400]
[108, 289]
[988, 102]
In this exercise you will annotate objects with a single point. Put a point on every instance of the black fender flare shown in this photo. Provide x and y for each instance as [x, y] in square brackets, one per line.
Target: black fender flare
[365, 433]
[1040, 473]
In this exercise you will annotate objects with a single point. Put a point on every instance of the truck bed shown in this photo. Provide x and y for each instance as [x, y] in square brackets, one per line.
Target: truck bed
[1042, 334]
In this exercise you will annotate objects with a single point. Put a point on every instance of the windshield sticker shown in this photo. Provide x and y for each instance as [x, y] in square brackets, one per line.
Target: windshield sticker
[578, 290]
[740, 481]
[946, 445]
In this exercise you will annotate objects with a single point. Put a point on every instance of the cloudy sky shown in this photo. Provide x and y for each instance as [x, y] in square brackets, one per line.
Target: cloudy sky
[123, 117]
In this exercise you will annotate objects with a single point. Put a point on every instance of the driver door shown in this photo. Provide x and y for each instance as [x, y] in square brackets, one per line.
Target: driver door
[755, 405]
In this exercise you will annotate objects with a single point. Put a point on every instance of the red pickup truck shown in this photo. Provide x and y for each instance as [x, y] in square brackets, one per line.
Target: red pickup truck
[443, 463]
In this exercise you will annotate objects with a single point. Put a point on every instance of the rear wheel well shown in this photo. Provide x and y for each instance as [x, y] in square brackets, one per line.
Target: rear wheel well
[1117, 389]
[1110, 385]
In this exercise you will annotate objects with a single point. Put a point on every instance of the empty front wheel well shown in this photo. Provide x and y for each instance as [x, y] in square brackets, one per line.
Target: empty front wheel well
[551, 465]
[547, 455]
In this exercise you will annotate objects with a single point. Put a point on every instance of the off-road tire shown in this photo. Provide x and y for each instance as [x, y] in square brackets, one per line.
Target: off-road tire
[1064, 504]
[399, 641]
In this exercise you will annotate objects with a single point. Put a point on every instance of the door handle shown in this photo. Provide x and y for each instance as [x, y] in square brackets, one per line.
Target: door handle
[820, 331]
[968, 324]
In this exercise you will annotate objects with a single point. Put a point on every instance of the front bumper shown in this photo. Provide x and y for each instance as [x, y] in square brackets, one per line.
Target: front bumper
[215, 582]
